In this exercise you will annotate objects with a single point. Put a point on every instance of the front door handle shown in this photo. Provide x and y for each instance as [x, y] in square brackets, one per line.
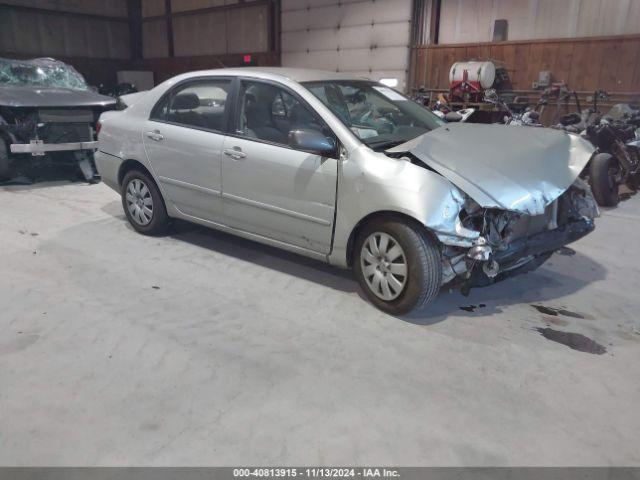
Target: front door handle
[236, 153]
[155, 135]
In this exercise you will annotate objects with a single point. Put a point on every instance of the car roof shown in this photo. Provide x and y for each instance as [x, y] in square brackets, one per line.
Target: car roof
[278, 73]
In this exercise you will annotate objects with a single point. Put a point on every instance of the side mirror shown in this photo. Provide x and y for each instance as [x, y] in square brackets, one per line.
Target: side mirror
[312, 141]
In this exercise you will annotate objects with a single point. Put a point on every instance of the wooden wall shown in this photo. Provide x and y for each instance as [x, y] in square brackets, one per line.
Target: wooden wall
[585, 64]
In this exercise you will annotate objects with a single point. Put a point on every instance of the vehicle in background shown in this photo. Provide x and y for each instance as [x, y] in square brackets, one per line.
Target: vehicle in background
[616, 135]
[47, 113]
[528, 117]
[350, 172]
[441, 108]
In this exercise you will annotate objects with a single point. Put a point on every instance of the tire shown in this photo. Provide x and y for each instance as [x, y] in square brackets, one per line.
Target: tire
[5, 168]
[143, 204]
[603, 182]
[420, 255]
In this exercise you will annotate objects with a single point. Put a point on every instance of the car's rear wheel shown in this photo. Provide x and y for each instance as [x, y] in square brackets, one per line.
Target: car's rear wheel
[143, 204]
[398, 265]
[605, 179]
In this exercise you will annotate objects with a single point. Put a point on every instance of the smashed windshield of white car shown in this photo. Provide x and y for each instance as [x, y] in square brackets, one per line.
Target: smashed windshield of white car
[40, 72]
[376, 114]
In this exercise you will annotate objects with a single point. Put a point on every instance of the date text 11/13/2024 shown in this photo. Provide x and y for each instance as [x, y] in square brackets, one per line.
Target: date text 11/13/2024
[316, 472]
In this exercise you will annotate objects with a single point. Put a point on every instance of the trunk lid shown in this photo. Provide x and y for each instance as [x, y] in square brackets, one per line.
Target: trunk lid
[46, 97]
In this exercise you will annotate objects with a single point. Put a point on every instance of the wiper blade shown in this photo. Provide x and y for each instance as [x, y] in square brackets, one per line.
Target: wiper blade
[386, 144]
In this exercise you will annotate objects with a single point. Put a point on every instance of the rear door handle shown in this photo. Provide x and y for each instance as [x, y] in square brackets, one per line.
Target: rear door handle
[236, 153]
[155, 135]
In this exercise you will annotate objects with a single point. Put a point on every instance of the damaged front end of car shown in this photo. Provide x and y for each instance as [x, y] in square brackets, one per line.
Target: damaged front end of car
[505, 243]
[48, 115]
[62, 136]
[517, 197]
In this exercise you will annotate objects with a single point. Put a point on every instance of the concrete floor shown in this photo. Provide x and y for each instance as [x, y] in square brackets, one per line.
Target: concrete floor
[200, 348]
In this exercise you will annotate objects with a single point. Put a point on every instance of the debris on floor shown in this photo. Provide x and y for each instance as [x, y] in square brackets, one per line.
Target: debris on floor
[569, 252]
[553, 311]
[472, 308]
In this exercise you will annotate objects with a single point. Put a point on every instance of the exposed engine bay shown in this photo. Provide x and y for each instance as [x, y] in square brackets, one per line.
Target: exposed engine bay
[511, 218]
[35, 135]
[513, 242]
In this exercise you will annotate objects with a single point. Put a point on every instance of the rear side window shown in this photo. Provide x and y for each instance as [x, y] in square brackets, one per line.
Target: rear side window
[200, 104]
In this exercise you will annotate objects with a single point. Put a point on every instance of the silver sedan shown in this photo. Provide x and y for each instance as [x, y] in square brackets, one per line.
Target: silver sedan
[350, 172]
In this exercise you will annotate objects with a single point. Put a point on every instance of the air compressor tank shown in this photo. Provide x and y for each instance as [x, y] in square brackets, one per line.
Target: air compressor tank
[482, 74]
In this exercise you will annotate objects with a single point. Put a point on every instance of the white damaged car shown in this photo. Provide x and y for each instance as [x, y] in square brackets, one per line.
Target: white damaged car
[350, 172]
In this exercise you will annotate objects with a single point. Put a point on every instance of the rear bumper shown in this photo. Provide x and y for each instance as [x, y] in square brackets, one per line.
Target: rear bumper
[38, 147]
[108, 167]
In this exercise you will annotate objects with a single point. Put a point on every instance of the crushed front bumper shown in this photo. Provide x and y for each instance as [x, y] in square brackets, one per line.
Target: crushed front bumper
[526, 254]
[547, 241]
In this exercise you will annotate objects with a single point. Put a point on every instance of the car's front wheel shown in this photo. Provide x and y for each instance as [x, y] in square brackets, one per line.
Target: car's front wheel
[398, 265]
[143, 204]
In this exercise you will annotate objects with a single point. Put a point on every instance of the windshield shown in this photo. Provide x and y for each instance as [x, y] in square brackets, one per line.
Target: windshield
[40, 72]
[376, 114]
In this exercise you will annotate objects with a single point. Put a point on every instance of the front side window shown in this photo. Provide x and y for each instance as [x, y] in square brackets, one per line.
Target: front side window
[199, 104]
[269, 113]
[376, 114]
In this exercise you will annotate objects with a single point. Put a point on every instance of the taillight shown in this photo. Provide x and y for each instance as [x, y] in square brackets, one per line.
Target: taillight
[98, 127]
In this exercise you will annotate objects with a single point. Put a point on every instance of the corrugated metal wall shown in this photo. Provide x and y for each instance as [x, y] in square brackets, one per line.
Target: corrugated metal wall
[98, 29]
[467, 21]
[364, 37]
[110, 8]
[155, 41]
[226, 27]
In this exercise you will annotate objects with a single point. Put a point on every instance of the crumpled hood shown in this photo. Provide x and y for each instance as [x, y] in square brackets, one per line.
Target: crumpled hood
[521, 169]
[12, 96]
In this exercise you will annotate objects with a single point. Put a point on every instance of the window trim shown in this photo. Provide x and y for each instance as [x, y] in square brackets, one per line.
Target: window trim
[229, 102]
[234, 119]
